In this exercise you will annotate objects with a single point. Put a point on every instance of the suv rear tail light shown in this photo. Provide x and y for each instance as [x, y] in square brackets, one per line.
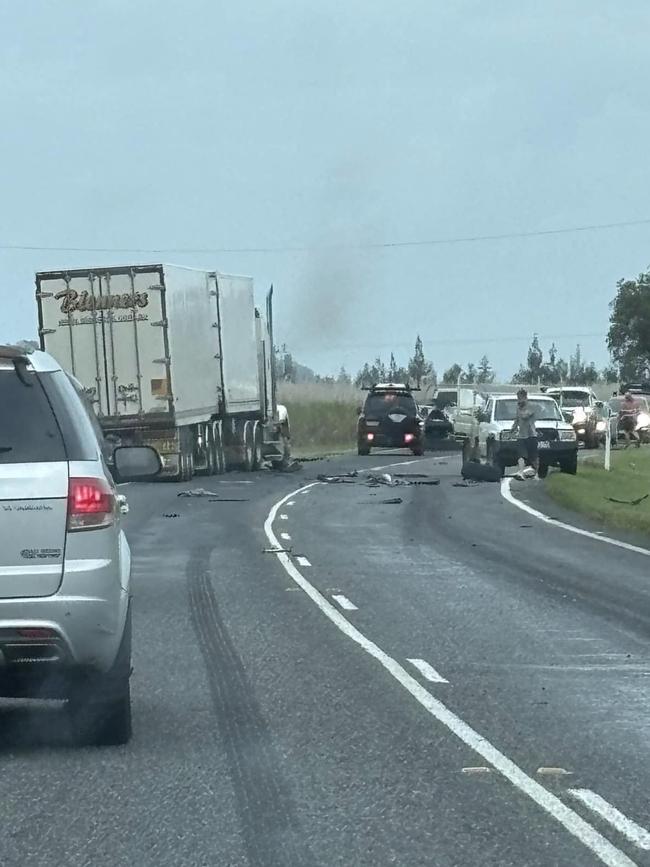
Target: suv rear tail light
[91, 504]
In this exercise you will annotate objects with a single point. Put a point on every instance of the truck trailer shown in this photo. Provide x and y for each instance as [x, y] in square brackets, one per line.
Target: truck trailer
[172, 357]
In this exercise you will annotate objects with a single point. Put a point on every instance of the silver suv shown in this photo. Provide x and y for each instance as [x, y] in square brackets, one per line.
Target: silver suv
[65, 614]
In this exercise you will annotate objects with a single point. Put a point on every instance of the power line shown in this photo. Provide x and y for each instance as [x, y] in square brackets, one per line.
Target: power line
[467, 239]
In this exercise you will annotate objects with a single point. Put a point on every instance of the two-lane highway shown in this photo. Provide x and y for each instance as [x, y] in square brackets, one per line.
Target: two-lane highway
[441, 681]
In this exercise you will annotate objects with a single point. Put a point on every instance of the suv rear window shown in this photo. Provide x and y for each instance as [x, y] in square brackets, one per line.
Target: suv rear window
[384, 403]
[29, 432]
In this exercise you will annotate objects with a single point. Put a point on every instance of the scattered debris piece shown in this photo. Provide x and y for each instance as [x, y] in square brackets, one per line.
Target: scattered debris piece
[340, 478]
[480, 472]
[411, 475]
[277, 550]
[526, 526]
[229, 500]
[171, 515]
[282, 467]
[427, 482]
[470, 483]
[554, 772]
[391, 501]
[476, 770]
[197, 492]
[628, 502]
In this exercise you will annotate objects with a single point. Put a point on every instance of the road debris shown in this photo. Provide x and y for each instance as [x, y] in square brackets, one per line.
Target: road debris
[277, 550]
[282, 467]
[480, 472]
[229, 500]
[339, 478]
[391, 501]
[628, 502]
[197, 492]
[171, 515]
[470, 483]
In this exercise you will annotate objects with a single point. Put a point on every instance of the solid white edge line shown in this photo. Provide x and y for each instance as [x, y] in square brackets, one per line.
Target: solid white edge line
[427, 671]
[303, 561]
[568, 818]
[344, 602]
[507, 494]
[634, 833]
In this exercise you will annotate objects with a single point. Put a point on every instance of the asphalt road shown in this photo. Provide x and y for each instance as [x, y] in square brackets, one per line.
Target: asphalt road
[279, 719]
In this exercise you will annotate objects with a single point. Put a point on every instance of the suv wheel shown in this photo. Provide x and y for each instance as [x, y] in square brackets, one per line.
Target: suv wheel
[363, 449]
[542, 470]
[418, 451]
[570, 464]
[100, 710]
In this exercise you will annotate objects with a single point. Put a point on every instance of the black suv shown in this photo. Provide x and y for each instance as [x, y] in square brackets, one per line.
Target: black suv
[390, 418]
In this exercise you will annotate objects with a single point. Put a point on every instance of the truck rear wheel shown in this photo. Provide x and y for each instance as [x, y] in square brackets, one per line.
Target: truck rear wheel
[258, 437]
[248, 448]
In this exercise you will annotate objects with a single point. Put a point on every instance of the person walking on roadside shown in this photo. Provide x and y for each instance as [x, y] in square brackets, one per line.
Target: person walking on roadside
[524, 426]
[628, 418]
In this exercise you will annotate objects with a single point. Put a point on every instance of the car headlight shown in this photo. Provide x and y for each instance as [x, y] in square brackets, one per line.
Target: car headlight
[643, 419]
[567, 435]
[601, 426]
[507, 435]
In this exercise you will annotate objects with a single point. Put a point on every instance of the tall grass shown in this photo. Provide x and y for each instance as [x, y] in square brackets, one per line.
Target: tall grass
[323, 417]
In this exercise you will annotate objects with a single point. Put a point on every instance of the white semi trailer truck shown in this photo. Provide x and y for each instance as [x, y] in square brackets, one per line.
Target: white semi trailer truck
[172, 357]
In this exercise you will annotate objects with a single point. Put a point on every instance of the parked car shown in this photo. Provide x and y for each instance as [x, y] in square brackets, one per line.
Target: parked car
[65, 615]
[613, 407]
[390, 418]
[581, 407]
[557, 440]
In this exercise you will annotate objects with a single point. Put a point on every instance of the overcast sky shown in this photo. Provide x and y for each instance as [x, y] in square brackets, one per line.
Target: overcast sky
[156, 124]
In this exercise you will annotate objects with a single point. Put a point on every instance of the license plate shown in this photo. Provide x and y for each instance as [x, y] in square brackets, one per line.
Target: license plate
[543, 444]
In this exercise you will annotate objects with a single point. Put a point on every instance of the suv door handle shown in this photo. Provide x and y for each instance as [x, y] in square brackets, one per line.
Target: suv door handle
[122, 504]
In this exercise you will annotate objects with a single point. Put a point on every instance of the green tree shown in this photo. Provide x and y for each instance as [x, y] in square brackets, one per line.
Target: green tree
[535, 359]
[419, 368]
[344, 377]
[628, 338]
[609, 374]
[363, 379]
[392, 369]
[450, 376]
[485, 372]
[378, 370]
[470, 375]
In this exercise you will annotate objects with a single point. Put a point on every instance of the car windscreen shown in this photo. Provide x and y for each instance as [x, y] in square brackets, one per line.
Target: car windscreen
[384, 404]
[29, 432]
[545, 410]
[571, 399]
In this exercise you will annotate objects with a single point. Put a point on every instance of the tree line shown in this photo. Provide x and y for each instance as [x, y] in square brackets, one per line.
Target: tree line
[628, 341]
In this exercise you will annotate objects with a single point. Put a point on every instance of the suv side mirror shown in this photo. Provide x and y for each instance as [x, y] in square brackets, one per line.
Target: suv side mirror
[136, 463]
[600, 404]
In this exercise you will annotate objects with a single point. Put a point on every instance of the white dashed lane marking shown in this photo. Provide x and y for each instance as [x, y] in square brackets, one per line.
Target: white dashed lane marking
[427, 671]
[303, 561]
[344, 602]
[286, 537]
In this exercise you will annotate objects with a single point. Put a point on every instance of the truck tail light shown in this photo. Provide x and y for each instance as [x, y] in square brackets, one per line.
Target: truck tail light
[370, 437]
[91, 504]
[408, 438]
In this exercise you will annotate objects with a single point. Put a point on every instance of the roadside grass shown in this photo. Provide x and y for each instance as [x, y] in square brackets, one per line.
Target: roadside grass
[586, 492]
[323, 417]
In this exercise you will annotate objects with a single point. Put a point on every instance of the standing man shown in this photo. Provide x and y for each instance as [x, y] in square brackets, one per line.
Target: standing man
[524, 426]
[628, 417]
